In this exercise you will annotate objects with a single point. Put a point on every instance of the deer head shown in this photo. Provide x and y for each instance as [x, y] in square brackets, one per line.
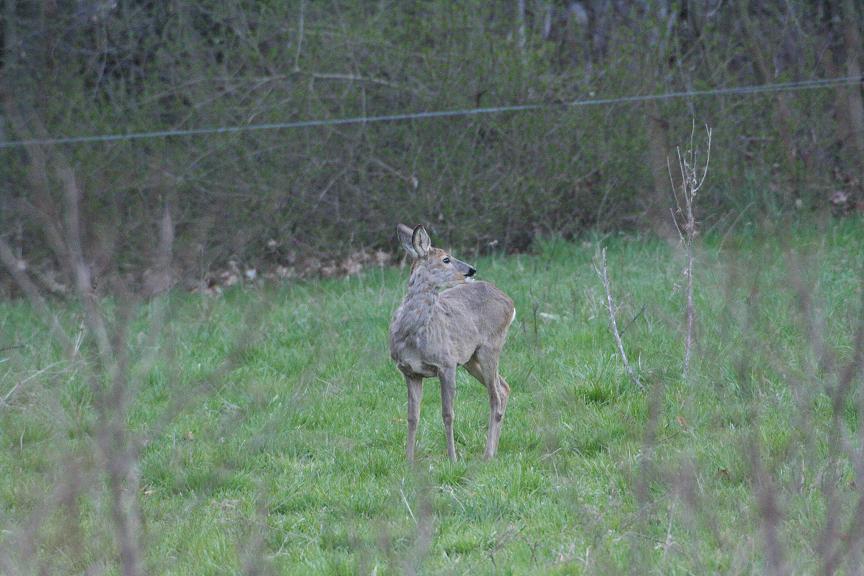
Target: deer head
[433, 266]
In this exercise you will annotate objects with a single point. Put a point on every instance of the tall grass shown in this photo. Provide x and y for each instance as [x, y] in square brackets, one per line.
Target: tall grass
[270, 425]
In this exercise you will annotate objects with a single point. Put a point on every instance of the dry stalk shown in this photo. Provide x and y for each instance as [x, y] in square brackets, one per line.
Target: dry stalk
[691, 183]
[424, 530]
[837, 544]
[770, 514]
[109, 375]
[601, 270]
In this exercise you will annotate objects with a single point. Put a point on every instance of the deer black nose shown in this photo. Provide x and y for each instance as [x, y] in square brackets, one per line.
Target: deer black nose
[471, 271]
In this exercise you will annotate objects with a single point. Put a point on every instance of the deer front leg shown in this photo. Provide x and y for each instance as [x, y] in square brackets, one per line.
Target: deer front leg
[415, 394]
[447, 376]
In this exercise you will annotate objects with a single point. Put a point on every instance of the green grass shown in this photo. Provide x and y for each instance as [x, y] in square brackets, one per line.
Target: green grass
[272, 424]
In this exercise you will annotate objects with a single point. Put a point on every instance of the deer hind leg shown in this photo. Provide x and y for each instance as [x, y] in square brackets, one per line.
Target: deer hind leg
[415, 395]
[484, 367]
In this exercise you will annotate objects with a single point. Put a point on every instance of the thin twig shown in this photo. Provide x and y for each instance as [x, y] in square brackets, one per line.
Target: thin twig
[770, 514]
[407, 505]
[299, 37]
[7, 257]
[5, 400]
[602, 272]
[633, 320]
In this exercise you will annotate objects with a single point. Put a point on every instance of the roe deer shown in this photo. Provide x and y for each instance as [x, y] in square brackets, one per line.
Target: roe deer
[446, 321]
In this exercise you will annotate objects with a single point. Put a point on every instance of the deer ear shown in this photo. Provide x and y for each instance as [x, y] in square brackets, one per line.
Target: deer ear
[420, 241]
[405, 234]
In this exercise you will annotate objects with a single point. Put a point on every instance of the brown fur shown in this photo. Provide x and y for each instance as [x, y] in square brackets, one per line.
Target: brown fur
[447, 321]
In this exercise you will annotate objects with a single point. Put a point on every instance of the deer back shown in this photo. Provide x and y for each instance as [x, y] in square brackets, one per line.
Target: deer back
[434, 330]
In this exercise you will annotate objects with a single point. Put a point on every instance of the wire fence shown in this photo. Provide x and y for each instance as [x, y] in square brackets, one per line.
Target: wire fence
[813, 84]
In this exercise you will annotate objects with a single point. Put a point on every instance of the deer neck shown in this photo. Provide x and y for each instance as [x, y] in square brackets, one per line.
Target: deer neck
[421, 297]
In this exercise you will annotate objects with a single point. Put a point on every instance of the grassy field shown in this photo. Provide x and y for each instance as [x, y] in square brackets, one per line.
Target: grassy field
[271, 425]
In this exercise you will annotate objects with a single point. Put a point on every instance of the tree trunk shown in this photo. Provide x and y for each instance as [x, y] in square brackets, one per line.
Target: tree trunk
[854, 104]
[657, 206]
[785, 118]
[9, 205]
[521, 31]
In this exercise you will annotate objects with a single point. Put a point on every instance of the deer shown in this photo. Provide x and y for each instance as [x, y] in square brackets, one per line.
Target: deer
[448, 319]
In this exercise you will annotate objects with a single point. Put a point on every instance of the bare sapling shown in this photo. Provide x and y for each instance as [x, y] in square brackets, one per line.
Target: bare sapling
[685, 222]
[601, 269]
[107, 367]
[447, 320]
[108, 378]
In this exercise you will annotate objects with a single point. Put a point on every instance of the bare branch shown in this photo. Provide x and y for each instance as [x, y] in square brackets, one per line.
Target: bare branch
[602, 272]
[690, 185]
[4, 401]
[770, 515]
[18, 273]
[300, 26]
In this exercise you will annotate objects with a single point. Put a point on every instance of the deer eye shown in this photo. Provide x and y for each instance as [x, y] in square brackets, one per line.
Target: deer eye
[446, 260]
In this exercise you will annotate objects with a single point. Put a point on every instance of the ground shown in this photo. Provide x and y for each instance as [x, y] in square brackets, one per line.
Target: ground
[271, 423]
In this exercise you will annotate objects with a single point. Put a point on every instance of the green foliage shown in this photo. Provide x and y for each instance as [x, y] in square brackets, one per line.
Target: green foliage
[500, 180]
